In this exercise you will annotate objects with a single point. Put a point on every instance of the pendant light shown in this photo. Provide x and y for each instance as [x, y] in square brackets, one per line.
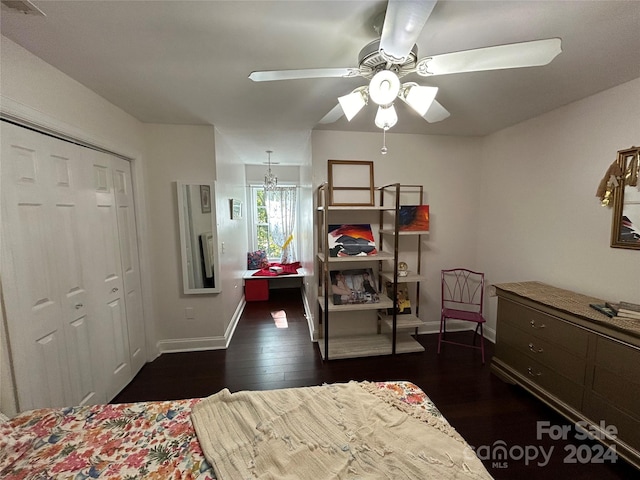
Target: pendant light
[270, 180]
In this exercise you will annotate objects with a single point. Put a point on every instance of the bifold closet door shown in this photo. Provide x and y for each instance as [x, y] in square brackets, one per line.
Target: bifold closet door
[52, 332]
[128, 240]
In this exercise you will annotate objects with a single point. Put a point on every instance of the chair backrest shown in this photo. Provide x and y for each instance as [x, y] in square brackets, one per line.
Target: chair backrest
[462, 289]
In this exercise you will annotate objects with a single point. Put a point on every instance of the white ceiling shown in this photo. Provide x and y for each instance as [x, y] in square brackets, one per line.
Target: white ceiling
[187, 62]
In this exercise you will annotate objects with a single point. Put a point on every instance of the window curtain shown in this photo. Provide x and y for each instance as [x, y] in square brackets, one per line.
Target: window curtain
[281, 205]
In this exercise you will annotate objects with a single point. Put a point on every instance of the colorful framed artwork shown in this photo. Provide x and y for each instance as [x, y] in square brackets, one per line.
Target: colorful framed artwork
[403, 303]
[413, 218]
[351, 240]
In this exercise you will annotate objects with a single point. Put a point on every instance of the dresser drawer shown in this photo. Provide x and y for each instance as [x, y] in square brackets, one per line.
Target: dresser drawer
[543, 326]
[548, 354]
[541, 375]
[619, 391]
[599, 409]
[618, 357]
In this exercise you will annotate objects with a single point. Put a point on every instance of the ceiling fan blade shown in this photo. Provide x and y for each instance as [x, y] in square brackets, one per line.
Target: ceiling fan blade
[436, 113]
[513, 55]
[403, 23]
[334, 114]
[269, 75]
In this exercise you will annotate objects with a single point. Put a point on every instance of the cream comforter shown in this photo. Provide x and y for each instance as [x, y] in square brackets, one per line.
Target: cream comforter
[337, 431]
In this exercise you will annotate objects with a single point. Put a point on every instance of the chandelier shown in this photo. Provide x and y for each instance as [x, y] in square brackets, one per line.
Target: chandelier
[270, 180]
[383, 89]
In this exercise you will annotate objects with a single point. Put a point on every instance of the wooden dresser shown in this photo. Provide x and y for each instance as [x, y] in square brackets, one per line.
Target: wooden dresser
[580, 362]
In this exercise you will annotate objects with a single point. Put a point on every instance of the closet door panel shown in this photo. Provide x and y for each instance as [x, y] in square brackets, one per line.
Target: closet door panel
[109, 284]
[68, 184]
[128, 241]
[31, 295]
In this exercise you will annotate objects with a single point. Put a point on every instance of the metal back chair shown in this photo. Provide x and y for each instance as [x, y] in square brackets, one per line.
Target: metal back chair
[462, 299]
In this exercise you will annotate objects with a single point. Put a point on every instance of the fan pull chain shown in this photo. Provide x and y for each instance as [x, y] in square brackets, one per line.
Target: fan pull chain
[384, 150]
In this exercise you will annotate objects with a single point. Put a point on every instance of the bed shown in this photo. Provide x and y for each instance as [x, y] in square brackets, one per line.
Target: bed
[179, 439]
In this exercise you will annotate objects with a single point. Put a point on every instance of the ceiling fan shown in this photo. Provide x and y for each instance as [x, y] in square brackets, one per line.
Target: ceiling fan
[395, 55]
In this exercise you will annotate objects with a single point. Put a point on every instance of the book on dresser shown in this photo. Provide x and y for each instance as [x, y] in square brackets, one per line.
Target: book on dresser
[626, 310]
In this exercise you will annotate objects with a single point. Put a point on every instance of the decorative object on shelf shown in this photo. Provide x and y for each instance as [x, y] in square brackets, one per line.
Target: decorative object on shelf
[257, 260]
[350, 182]
[351, 240]
[205, 198]
[354, 286]
[235, 207]
[414, 218]
[403, 303]
[625, 232]
[403, 269]
[270, 180]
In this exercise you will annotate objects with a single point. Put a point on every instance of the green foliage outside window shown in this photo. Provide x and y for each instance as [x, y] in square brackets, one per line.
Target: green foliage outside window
[263, 236]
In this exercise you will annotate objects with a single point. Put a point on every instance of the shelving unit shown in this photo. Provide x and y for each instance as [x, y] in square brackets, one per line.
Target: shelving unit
[401, 194]
[368, 342]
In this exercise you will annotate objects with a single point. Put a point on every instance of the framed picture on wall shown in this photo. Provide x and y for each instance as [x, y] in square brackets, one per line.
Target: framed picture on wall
[236, 208]
[205, 198]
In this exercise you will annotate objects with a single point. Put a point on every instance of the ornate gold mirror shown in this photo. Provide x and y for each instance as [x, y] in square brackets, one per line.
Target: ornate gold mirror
[625, 232]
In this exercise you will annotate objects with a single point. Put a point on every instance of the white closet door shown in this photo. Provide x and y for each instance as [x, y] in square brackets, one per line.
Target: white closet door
[43, 281]
[107, 282]
[123, 188]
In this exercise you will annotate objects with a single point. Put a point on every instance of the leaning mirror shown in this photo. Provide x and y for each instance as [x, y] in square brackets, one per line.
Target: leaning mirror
[198, 238]
[626, 202]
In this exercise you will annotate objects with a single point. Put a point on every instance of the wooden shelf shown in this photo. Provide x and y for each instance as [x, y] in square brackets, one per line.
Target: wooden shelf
[402, 321]
[387, 231]
[385, 302]
[412, 277]
[358, 258]
[349, 208]
[368, 346]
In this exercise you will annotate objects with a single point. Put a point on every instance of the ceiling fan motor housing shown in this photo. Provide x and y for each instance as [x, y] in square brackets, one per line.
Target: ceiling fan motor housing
[371, 61]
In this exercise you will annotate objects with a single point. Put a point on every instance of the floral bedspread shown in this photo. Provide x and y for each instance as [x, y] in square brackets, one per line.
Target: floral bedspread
[151, 440]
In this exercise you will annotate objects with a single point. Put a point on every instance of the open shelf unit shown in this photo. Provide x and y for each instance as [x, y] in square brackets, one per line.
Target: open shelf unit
[392, 332]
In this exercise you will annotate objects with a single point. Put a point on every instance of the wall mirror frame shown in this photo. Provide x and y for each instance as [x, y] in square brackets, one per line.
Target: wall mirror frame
[198, 238]
[625, 232]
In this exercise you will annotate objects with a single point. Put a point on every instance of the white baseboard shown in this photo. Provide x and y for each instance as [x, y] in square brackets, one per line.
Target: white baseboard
[309, 316]
[454, 326]
[205, 343]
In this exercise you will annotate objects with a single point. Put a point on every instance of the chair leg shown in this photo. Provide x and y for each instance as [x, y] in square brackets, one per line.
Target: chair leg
[481, 342]
[442, 325]
[479, 325]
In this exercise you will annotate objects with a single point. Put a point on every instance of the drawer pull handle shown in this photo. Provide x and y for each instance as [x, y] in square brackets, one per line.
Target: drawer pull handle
[533, 325]
[533, 348]
[114, 289]
[78, 306]
[530, 372]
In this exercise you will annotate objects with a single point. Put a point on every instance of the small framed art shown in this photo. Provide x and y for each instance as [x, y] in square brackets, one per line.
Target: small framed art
[205, 198]
[235, 207]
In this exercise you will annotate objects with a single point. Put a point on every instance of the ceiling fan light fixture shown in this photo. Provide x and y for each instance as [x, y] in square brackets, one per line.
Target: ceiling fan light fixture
[386, 117]
[418, 97]
[384, 87]
[353, 102]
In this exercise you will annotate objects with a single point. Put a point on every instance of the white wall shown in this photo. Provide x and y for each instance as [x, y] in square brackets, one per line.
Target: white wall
[448, 168]
[539, 217]
[184, 153]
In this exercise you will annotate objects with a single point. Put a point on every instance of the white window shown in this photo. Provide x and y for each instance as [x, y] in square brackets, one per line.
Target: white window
[274, 222]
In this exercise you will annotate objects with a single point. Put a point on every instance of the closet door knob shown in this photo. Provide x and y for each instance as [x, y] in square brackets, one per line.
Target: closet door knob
[114, 289]
[79, 305]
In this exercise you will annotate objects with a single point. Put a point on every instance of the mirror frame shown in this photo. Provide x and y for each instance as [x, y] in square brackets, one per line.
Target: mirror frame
[208, 206]
[629, 163]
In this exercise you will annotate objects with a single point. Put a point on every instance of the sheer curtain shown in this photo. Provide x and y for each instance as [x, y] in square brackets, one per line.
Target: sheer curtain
[281, 205]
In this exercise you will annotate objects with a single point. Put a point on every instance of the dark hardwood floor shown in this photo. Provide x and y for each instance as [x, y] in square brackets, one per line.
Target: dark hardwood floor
[486, 411]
